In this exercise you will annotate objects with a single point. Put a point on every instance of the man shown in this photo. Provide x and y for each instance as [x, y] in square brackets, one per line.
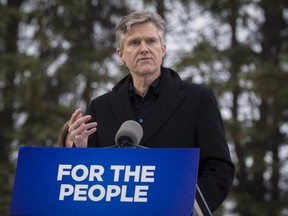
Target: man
[173, 113]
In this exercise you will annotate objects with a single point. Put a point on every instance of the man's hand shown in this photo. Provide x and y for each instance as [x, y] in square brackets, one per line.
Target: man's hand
[79, 129]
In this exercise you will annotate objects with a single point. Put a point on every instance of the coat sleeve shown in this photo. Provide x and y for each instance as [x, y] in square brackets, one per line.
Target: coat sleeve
[93, 138]
[216, 170]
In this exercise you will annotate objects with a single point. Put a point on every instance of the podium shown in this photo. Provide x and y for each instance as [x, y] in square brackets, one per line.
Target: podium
[104, 181]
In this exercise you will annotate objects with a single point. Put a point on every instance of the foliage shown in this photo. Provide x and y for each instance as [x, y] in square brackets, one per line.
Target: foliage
[256, 81]
[54, 56]
[57, 55]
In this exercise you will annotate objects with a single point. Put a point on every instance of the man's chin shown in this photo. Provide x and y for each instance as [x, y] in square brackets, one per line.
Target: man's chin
[147, 69]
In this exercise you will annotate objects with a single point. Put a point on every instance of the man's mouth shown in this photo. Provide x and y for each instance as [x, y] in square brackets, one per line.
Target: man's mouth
[144, 59]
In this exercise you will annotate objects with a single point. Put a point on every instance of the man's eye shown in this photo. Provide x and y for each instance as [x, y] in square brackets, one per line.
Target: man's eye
[135, 42]
[150, 41]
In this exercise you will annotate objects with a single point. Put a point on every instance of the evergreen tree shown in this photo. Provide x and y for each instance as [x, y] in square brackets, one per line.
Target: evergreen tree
[254, 72]
[57, 55]
[10, 18]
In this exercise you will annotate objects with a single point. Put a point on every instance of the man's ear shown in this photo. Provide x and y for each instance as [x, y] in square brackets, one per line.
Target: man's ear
[120, 53]
[163, 50]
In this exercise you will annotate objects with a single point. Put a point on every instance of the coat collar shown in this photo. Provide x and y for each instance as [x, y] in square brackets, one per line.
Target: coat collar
[170, 98]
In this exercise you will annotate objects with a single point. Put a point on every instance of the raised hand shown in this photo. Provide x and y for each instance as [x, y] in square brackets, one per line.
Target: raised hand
[79, 129]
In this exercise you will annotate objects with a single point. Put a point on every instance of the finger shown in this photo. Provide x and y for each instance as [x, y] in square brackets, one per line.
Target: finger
[75, 116]
[90, 131]
[80, 126]
[85, 127]
[80, 115]
[80, 137]
[80, 121]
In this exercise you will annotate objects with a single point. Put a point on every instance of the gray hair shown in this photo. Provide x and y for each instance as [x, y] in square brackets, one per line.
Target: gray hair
[138, 17]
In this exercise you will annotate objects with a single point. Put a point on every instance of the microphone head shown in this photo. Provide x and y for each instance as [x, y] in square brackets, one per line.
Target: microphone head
[131, 129]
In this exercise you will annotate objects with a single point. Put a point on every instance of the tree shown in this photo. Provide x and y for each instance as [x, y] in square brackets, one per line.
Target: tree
[57, 55]
[8, 59]
[54, 56]
[255, 73]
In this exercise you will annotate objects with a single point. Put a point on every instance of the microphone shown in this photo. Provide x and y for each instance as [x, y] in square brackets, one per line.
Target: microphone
[129, 135]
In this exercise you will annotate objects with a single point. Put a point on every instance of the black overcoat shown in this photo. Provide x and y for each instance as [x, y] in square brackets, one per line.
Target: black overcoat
[186, 115]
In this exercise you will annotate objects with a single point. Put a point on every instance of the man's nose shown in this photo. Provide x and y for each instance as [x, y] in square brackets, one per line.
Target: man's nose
[143, 47]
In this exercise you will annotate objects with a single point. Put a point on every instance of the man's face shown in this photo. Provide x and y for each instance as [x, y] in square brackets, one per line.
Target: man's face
[142, 50]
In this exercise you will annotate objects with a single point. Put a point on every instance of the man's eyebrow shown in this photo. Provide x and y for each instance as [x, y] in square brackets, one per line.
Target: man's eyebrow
[134, 38]
[140, 38]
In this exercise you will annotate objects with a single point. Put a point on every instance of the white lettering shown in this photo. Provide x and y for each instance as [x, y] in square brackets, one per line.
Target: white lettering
[129, 173]
[101, 193]
[82, 168]
[80, 190]
[140, 173]
[140, 194]
[147, 174]
[112, 191]
[65, 190]
[124, 198]
[94, 173]
[80, 172]
[97, 172]
[117, 170]
[62, 171]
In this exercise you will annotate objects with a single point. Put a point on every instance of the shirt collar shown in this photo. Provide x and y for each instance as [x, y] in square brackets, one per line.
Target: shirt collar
[154, 87]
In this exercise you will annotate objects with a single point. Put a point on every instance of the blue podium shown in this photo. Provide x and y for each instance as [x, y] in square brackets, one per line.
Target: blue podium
[104, 181]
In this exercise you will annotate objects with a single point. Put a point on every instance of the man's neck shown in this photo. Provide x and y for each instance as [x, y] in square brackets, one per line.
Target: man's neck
[142, 84]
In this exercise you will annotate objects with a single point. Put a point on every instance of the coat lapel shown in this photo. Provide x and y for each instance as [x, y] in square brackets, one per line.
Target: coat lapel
[120, 104]
[169, 99]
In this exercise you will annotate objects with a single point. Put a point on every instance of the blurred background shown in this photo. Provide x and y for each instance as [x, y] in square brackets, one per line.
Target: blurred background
[57, 55]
